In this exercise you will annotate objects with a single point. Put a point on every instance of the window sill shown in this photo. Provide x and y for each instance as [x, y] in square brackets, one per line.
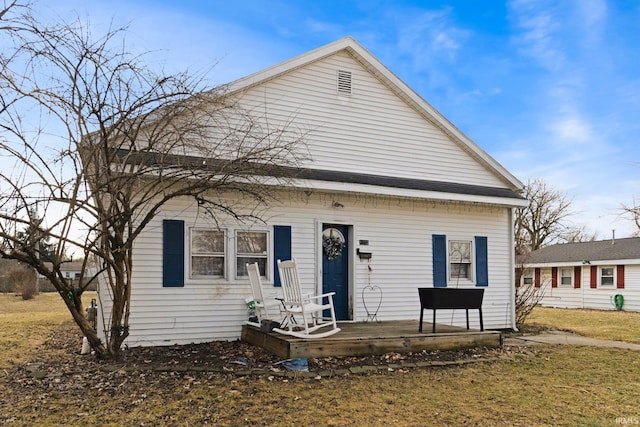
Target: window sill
[461, 283]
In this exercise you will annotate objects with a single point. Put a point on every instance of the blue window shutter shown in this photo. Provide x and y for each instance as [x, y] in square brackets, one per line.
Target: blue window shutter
[482, 267]
[439, 260]
[172, 253]
[281, 249]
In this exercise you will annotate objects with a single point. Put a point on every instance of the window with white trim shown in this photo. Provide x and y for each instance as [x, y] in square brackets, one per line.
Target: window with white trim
[207, 253]
[460, 260]
[527, 276]
[251, 247]
[607, 276]
[566, 276]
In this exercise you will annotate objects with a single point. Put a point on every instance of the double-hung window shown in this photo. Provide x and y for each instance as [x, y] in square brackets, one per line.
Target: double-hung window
[207, 253]
[527, 276]
[607, 276]
[566, 276]
[460, 260]
[251, 247]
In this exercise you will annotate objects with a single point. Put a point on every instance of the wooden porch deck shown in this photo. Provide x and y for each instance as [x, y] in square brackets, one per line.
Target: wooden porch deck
[361, 339]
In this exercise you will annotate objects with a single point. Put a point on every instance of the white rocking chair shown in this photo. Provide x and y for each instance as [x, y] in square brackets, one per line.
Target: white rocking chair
[265, 309]
[307, 309]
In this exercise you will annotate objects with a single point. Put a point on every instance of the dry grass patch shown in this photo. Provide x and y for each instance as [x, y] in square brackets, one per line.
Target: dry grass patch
[26, 324]
[526, 386]
[559, 386]
[609, 325]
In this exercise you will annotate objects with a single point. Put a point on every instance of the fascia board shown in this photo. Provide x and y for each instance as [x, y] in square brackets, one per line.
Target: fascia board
[399, 192]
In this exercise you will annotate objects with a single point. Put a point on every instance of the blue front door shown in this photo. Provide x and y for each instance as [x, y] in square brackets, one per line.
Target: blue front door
[335, 266]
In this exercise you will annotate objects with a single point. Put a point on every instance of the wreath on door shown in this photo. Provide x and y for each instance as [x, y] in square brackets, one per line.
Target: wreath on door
[332, 243]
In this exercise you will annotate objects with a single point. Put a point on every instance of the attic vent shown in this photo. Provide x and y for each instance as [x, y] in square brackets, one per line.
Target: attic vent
[344, 82]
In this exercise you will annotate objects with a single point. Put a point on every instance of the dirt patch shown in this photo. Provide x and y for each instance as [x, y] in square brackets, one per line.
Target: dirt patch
[219, 356]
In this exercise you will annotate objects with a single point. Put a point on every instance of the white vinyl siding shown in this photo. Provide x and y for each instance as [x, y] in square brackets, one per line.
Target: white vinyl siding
[599, 298]
[373, 131]
[399, 234]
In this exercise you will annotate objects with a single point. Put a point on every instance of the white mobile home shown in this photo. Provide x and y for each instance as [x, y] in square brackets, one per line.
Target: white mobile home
[411, 201]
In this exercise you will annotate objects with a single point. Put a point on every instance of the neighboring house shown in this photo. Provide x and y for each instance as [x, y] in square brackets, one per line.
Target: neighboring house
[415, 202]
[71, 270]
[586, 274]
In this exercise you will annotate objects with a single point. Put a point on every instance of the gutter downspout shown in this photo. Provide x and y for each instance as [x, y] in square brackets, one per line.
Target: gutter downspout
[512, 271]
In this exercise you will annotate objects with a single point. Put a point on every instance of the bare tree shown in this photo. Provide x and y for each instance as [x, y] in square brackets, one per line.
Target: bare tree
[577, 234]
[544, 220]
[632, 212]
[100, 143]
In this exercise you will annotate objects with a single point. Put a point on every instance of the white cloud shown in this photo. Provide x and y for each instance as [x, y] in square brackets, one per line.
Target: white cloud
[572, 129]
[328, 28]
[430, 34]
[537, 31]
[443, 41]
[593, 12]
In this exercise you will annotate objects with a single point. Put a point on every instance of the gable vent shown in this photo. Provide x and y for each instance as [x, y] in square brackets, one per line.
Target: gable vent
[344, 82]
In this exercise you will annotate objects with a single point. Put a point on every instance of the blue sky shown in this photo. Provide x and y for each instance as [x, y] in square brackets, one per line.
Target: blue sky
[549, 88]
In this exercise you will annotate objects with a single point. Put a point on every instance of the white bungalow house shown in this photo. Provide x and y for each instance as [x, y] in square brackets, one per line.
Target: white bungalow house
[416, 202]
[602, 275]
[71, 271]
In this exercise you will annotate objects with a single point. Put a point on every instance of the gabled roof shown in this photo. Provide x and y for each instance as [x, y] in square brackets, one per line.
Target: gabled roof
[601, 250]
[397, 86]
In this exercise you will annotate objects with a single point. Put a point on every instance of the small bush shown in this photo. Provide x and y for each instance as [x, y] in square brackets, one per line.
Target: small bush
[29, 290]
[24, 282]
[528, 297]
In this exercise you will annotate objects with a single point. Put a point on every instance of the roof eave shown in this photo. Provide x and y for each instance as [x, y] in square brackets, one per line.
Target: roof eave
[405, 193]
[596, 262]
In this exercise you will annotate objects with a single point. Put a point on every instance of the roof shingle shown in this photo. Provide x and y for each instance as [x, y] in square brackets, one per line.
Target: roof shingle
[601, 250]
